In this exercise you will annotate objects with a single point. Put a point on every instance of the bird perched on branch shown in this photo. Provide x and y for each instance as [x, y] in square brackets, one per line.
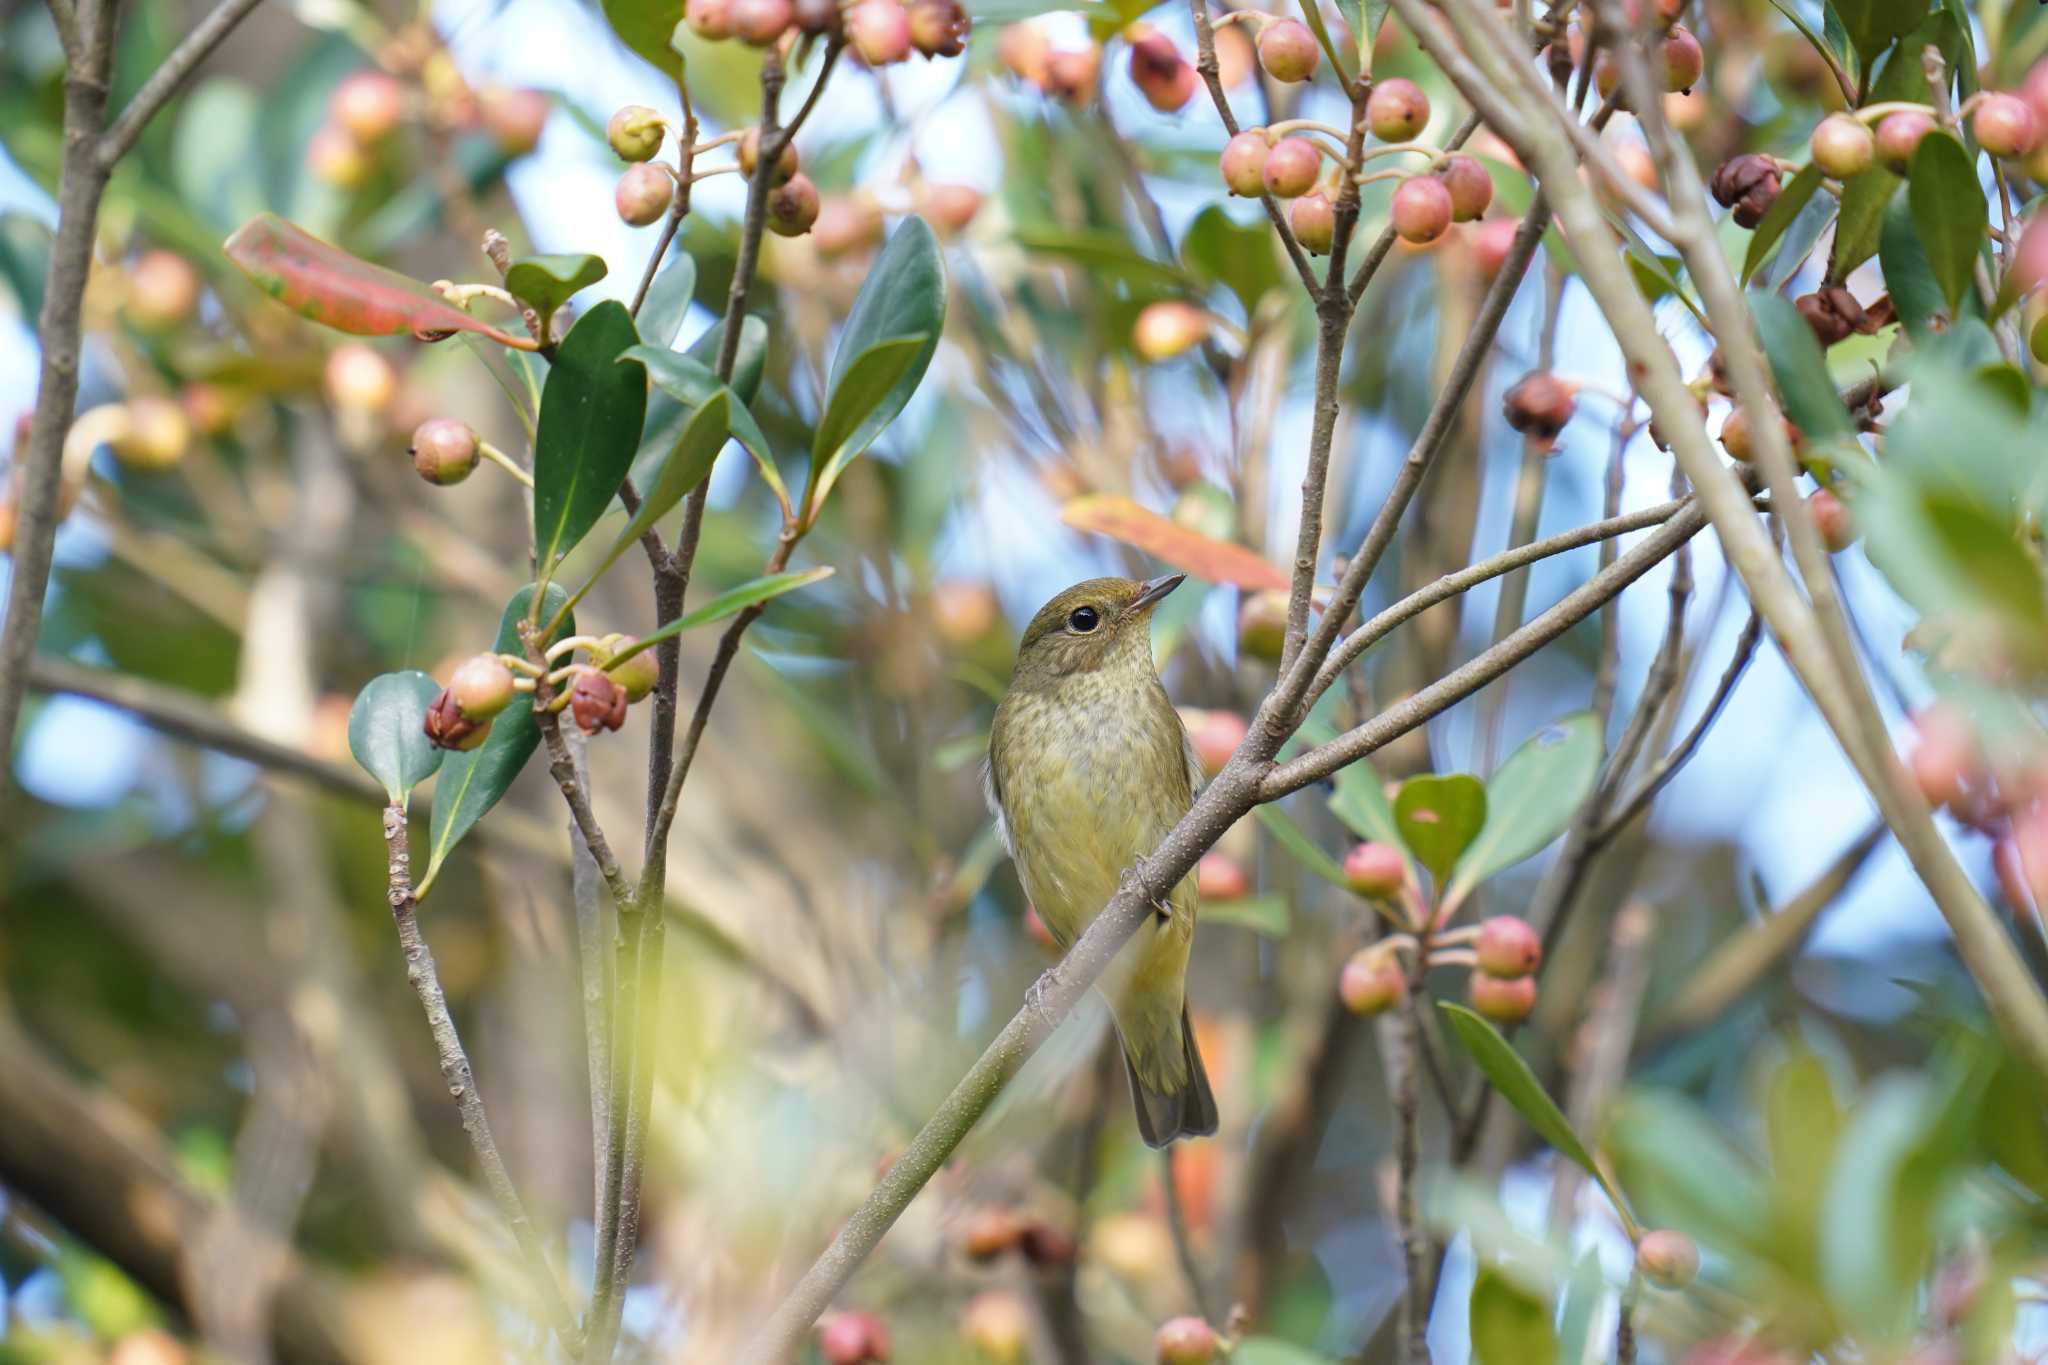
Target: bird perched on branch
[1089, 767]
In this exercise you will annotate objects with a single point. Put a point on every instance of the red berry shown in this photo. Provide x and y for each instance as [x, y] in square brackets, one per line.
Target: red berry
[793, 207]
[938, 28]
[1397, 110]
[1508, 947]
[1244, 163]
[1842, 146]
[1291, 167]
[1185, 1341]
[1470, 186]
[1219, 878]
[1747, 184]
[481, 687]
[644, 193]
[1375, 870]
[1162, 75]
[163, 291]
[1683, 60]
[1169, 328]
[596, 702]
[1504, 1000]
[1421, 209]
[1288, 50]
[1898, 137]
[369, 104]
[1668, 1258]
[1314, 220]
[2006, 125]
[761, 22]
[853, 1339]
[1831, 518]
[1491, 243]
[1371, 982]
[709, 19]
[880, 30]
[445, 451]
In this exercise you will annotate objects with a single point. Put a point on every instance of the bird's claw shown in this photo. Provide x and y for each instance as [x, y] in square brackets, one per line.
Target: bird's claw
[1160, 908]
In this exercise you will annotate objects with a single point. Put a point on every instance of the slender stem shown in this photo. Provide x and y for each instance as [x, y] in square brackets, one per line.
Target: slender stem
[593, 944]
[1637, 801]
[1412, 1338]
[504, 462]
[1211, 73]
[166, 80]
[1183, 1245]
[455, 1069]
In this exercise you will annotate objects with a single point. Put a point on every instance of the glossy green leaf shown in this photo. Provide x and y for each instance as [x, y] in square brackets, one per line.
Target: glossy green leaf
[545, 283]
[1274, 1351]
[1269, 916]
[385, 731]
[730, 603]
[1802, 1126]
[1439, 817]
[1295, 840]
[1858, 225]
[1873, 25]
[1795, 249]
[1242, 257]
[1518, 1085]
[1948, 208]
[668, 302]
[1106, 255]
[1909, 275]
[1532, 797]
[749, 361]
[688, 464]
[1509, 1325]
[1361, 803]
[1838, 50]
[216, 158]
[645, 26]
[845, 430]
[591, 411]
[1680, 1167]
[688, 384]
[874, 371]
[1790, 203]
[341, 291]
[1344, 63]
[1801, 370]
[471, 783]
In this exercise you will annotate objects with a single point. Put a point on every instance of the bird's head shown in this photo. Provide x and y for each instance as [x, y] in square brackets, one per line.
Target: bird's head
[1104, 622]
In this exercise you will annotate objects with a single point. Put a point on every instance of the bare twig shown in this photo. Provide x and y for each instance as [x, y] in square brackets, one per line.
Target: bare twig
[177, 68]
[1183, 1245]
[426, 983]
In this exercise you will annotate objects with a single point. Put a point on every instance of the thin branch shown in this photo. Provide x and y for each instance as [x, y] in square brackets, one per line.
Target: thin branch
[455, 1069]
[1411, 1344]
[1183, 1245]
[177, 68]
[1211, 73]
[1637, 801]
[66, 18]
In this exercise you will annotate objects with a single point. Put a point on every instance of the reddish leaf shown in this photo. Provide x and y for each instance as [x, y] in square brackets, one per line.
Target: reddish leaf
[338, 290]
[1121, 519]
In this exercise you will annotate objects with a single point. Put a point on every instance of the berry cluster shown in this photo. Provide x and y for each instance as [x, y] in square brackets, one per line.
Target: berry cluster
[880, 32]
[614, 676]
[367, 108]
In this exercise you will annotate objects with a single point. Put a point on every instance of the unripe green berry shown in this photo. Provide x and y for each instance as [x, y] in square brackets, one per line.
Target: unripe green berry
[786, 165]
[638, 674]
[635, 132]
[1842, 147]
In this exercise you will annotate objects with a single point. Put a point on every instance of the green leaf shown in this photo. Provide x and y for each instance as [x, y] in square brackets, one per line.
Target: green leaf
[1791, 201]
[750, 593]
[545, 283]
[1361, 803]
[1266, 915]
[1509, 1325]
[748, 361]
[471, 783]
[1838, 51]
[1295, 840]
[591, 411]
[1108, 256]
[1518, 1085]
[1439, 816]
[845, 430]
[1949, 209]
[904, 296]
[1312, 14]
[1908, 275]
[688, 384]
[1532, 797]
[1873, 25]
[668, 302]
[1242, 257]
[687, 465]
[1583, 1294]
[216, 157]
[1678, 1163]
[25, 261]
[1864, 198]
[1800, 238]
[644, 26]
[385, 734]
[1801, 370]
[1274, 1351]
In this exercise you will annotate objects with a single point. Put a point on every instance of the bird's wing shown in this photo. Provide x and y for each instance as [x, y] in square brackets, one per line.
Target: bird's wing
[992, 789]
[1187, 751]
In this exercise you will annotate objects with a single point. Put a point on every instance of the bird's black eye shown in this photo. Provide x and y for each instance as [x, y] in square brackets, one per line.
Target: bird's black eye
[1084, 620]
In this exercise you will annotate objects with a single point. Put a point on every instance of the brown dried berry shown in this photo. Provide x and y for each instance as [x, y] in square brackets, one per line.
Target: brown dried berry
[447, 728]
[1833, 313]
[1747, 184]
[1540, 405]
[597, 702]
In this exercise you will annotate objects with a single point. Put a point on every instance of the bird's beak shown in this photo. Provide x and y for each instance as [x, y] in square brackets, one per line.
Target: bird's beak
[1157, 588]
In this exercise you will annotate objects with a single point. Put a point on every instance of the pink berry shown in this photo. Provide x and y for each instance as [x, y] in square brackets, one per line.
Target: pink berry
[1668, 1258]
[1185, 1341]
[2030, 257]
[445, 451]
[1397, 110]
[761, 22]
[793, 207]
[1944, 758]
[1371, 982]
[709, 19]
[1375, 870]
[938, 28]
[853, 1339]
[1831, 518]
[369, 104]
[1291, 167]
[644, 193]
[1219, 878]
[2006, 125]
[1491, 244]
[1683, 60]
[1842, 147]
[1288, 51]
[1314, 220]
[1244, 164]
[1898, 137]
[1071, 74]
[482, 687]
[1422, 209]
[1508, 947]
[1162, 75]
[880, 30]
[1470, 186]
[1504, 1000]
[1215, 736]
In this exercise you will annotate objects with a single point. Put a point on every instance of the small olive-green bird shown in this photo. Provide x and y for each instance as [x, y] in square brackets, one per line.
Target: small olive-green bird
[1088, 768]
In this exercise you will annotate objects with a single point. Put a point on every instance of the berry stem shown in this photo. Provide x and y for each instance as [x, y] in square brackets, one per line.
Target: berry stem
[1306, 125]
[1429, 149]
[1872, 112]
[504, 462]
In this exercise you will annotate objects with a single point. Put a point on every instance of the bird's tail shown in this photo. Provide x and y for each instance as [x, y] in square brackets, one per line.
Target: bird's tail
[1175, 1102]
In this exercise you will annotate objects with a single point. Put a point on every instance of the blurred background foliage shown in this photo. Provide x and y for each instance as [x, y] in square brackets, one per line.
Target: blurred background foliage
[197, 942]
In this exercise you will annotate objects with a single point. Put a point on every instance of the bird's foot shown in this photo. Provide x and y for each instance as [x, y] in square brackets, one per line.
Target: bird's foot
[1138, 873]
[1034, 995]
